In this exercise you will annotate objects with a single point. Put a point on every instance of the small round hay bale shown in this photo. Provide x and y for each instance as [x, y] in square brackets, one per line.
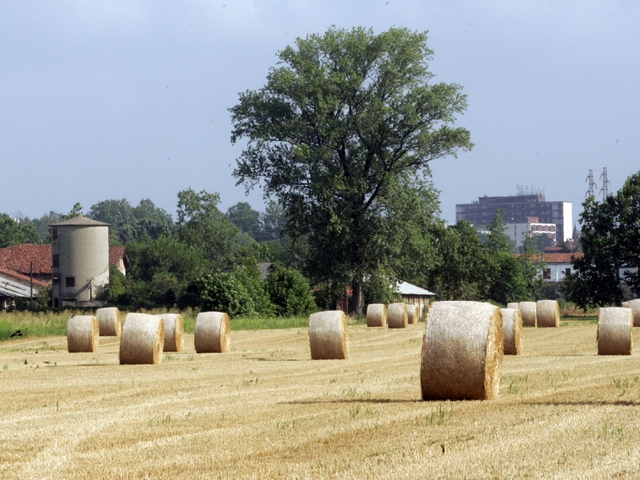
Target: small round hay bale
[615, 325]
[462, 351]
[109, 319]
[548, 314]
[625, 304]
[634, 305]
[212, 332]
[82, 333]
[529, 312]
[328, 335]
[515, 305]
[512, 330]
[413, 313]
[376, 315]
[173, 332]
[397, 315]
[142, 339]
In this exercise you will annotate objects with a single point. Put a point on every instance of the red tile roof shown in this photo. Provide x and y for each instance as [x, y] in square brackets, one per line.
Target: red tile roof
[558, 257]
[19, 257]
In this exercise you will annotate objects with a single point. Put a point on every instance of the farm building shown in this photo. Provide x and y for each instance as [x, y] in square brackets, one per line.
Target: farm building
[15, 285]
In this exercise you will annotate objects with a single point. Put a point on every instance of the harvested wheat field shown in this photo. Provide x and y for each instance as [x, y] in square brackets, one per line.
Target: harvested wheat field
[265, 410]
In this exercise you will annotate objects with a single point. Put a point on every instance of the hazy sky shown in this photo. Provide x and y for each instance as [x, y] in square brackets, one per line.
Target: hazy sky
[129, 98]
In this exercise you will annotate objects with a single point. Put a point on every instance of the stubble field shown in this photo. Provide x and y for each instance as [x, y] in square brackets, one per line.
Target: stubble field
[265, 410]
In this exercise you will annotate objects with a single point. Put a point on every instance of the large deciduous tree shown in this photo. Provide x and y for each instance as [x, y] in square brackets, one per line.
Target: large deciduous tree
[342, 117]
[610, 238]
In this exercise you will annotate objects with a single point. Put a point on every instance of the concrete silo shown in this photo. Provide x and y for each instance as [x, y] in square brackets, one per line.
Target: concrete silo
[80, 261]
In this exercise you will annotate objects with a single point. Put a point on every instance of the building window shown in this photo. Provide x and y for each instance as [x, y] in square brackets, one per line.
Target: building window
[546, 274]
[54, 233]
[56, 260]
[70, 281]
[567, 271]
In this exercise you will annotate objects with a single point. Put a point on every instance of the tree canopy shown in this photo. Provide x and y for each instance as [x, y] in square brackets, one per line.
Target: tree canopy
[610, 238]
[341, 121]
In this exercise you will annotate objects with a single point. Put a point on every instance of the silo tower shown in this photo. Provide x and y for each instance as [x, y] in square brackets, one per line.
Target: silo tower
[80, 261]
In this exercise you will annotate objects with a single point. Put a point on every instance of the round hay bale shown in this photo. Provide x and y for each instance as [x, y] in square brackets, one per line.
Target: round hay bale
[634, 305]
[529, 312]
[397, 315]
[462, 351]
[142, 339]
[515, 305]
[413, 313]
[109, 319]
[376, 315]
[212, 332]
[615, 325]
[548, 314]
[625, 304]
[82, 333]
[512, 330]
[173, 332]
[328, 335]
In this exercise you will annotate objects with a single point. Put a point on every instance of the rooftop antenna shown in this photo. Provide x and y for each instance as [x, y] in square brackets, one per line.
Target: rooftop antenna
[605, 184]
[591, 191]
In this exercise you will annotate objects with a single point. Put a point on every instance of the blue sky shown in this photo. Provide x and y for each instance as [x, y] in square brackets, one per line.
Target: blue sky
[129, 98]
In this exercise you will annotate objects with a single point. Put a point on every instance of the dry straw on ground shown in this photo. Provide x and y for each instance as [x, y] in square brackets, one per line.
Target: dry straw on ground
[413, 313]
[109, 319]
[82, 333]
[397, 316]
[462, 351]
[212, 332]
[142, 339]
[173, 332]
[529, 313]
[328, 335]
[376, 315]
[634, 305]
[515, 305]
[615, 326]
[548, 313]
[512, 331]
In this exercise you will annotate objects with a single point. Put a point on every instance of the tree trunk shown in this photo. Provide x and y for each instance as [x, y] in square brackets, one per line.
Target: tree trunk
[357, 297]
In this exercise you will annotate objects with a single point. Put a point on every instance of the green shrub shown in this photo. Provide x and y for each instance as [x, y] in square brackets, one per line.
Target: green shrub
[289, 291]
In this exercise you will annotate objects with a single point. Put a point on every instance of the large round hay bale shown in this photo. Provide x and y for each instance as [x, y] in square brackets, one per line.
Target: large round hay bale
[515, 305]
[512, 331]
[397, 315]
[173, 332]
[109, 319]
[413, 313]
[462, 351]
[328, 335]
[615, 325]
[529, 313]
[548, 313]
[376, 315]
[634, 305]
[82, 333]
[212, 332]
[142, 339]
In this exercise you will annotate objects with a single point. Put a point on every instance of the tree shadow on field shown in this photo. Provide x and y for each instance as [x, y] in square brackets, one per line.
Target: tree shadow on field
[350, 400]
[591, 403]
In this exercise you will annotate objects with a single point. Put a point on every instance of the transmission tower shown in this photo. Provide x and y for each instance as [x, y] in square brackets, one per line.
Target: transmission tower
[591, 191]
[605, 184]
